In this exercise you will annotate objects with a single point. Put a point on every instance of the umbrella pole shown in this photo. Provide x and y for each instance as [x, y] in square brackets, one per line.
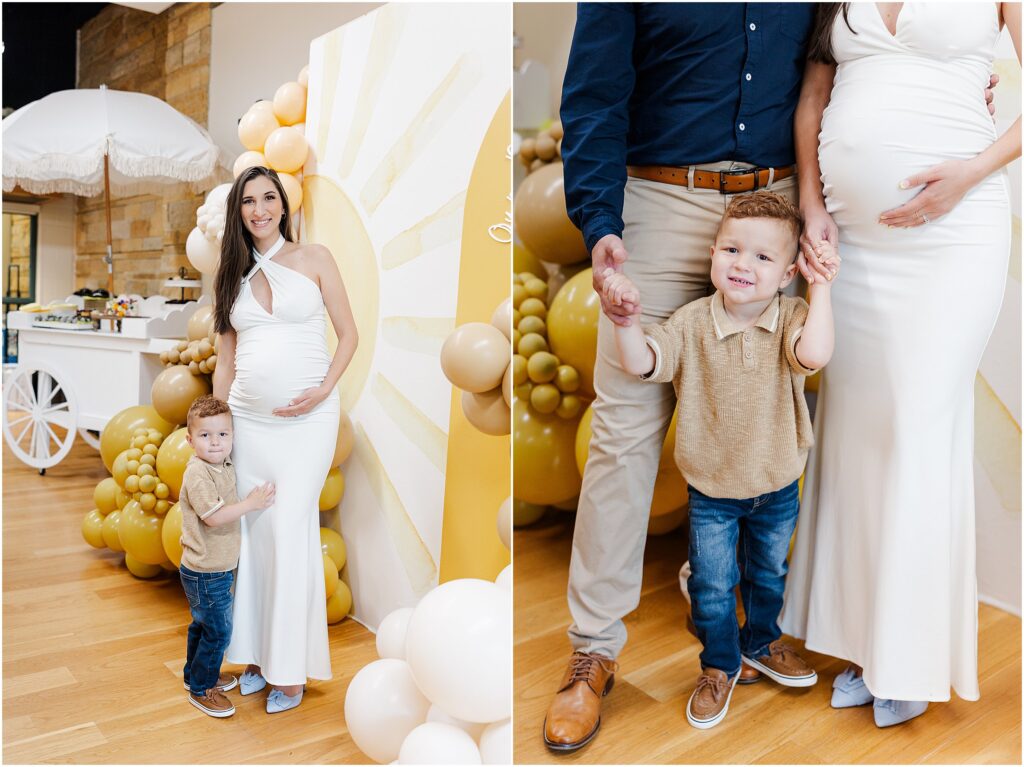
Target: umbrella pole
[109, 259]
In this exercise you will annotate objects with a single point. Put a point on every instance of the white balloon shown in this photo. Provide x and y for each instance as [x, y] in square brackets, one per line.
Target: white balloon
[391, 634]
[220, 236]
[505, 522]
[436, 743]
[382, 706]
[210, 233]
[504, 578]
[202, 254]
[496, 743]
[202, 209]
[218, 196]
[202, 221]
[473, 729]
[459, 647]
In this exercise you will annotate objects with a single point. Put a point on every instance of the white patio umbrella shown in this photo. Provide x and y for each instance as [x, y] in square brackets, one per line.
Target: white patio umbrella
[89, 141]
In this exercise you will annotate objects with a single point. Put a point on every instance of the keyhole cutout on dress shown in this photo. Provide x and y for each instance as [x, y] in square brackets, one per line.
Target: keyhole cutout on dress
[262, 292]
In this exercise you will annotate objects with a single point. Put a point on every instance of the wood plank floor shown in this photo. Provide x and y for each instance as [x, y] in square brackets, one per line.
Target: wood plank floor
[643, 718]
[92, 656]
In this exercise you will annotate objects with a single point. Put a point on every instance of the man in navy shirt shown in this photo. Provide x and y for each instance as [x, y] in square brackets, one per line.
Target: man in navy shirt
[669, 109]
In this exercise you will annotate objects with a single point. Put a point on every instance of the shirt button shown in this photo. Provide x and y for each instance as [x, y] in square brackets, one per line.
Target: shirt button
[748, 355]
[748, 77]
[753, 27]
[746, 336]
[742, 126]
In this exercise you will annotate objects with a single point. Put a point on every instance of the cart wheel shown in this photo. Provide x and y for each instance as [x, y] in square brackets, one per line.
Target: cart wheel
[40, 417]
[90, 437]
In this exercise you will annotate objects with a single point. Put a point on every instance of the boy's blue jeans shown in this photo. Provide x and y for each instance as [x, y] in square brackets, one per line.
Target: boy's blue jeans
[209, 599]
[762, 528]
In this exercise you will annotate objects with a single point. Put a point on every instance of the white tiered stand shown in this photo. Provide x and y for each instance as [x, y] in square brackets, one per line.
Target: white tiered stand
[74, 381]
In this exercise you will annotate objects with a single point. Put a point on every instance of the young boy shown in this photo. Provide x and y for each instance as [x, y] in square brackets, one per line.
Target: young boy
[210, 540]
[737, 361]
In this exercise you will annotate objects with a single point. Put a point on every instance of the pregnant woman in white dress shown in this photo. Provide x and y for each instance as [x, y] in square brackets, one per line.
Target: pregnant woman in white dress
[274, 370]
[883, 571]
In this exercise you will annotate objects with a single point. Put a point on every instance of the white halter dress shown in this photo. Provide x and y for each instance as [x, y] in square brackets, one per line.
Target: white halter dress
[280, 619]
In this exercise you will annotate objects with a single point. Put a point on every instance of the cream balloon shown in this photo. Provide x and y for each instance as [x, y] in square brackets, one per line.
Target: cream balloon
[474, 357]
[217, 198]
[488, 412]
[437, 743]
[255, 127]
[303, 78]
[290, 103]
[504, 578]
[505, 522]
[286, 150]
[292, 190]
[438, 714]
[502, 318]
[496, 743]
[300, 127]
[382, 706]
[248, 160]
[203, 254]
[391, 633]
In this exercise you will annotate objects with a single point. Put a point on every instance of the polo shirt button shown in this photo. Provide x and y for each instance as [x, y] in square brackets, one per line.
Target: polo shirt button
[748, 355]
[753, 27]
[746, 336]
[742, 126]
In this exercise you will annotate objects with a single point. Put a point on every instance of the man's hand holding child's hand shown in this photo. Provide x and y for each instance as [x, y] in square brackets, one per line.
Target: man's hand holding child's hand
[619, 290]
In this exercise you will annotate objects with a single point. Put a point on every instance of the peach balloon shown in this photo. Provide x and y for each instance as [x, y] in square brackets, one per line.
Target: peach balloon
[502, 318]
[488, 412]
[290, 103]
[248, 160]
[286, 150]
[541, 220]
[474, 357]
[174, 391]
[255, 127]
[292, 190]
[199, 324]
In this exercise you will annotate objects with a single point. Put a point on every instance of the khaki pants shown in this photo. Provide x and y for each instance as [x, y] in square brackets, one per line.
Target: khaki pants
[668, 233]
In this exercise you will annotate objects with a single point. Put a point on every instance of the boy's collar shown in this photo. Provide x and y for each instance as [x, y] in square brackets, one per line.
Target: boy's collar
[725, 327]
[217, 466]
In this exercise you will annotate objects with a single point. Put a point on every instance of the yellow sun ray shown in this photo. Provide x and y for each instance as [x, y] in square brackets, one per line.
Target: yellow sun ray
[331, 69]
[439, 228]
[998, 449]
[427, 436]
[423, 335]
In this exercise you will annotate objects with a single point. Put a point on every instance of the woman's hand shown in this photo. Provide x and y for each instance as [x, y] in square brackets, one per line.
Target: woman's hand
[944, 186]
[302, 404]
[819, 228]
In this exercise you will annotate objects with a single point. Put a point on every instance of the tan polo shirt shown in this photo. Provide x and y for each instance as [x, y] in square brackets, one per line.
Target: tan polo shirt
[205, 488]
[743, 428]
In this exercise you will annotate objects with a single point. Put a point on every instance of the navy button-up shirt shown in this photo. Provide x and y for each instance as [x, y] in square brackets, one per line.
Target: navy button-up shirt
[675, 84]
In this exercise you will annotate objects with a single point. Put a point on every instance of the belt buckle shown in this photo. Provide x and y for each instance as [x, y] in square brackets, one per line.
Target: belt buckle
[737, 172]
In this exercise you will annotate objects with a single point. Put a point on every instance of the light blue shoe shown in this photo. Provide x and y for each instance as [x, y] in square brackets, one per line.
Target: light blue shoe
[890, 712]
[251, 682]
[849, 690]
[277, 701]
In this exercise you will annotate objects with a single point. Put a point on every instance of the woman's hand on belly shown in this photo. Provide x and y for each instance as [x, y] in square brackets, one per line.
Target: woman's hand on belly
[303, 403]
[945, 185]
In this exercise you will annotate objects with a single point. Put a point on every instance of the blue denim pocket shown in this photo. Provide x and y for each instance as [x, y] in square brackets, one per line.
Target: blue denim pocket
[190, 585]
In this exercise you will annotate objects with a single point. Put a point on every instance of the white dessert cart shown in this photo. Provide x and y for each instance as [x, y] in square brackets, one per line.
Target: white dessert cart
[72, 381]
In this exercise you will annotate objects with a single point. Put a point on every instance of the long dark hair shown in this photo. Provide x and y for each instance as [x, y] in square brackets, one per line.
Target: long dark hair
[820, 48]
[236, 248]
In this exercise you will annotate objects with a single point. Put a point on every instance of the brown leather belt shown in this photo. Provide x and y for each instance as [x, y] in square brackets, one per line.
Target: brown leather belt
[724, 181]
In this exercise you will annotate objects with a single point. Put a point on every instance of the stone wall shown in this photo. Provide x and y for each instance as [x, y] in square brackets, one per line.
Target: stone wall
[166, 55]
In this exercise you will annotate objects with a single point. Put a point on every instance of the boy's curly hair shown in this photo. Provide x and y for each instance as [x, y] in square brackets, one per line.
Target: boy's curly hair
[205, 407]
[763, 204]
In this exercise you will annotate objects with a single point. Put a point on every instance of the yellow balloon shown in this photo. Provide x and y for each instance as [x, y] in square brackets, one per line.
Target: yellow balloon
[141, 569]
[117, 434]
[255, 127]
[667, 523]
[474, 356]
[286, 150]
[541, 220]
[174, 391]
[330, 576]
[488, 411]
[339, 603]
[544, 469]
[140, 534]
[290, 103]
[292, 190]
[572, 327]
[248, 160]
[171, 460]
[111, 522]
[119, 469]
[200, 323]
[524, 261]
[333, 489]
[524, 513]
[333, 545]
[170, 535]
[105, 495]
[812, 382]
[122, 499]
[92, 529]
[345, 442]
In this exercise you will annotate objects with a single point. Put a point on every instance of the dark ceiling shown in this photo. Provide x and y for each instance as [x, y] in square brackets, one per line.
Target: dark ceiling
[39, 48]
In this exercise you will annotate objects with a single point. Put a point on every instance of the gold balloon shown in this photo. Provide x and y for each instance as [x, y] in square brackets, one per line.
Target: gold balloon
[330, 576]
[506, 385]
[572, 327]
[333, 489]
[524, 513]
[248, 160]
[105, 495]
[122, 499]
[292, 190]
[170, 535]
[200, 323]
[541, 220]
[119, 469]
[502, 318]
[339, 603]
[255, 127]
[290, 103]
[333, 545]
[667, 523]
[141, 569]
[544, 469]
[488, 411]
[111, 522]
[346, 440]
[174, 391]
[140, 534]
[117, 434]
[474, 356]
[174, 454]
[92, 529]
[286, 150]
[524, 261]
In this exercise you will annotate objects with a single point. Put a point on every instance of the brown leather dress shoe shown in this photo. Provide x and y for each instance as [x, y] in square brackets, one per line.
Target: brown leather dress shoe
[782, 664]
[574, 716]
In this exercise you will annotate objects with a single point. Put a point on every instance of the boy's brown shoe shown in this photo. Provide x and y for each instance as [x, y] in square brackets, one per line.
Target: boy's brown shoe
[784, 665]
[225, 682]
[709, 702]
[574, 716]
[213, 704]
[748, 674]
